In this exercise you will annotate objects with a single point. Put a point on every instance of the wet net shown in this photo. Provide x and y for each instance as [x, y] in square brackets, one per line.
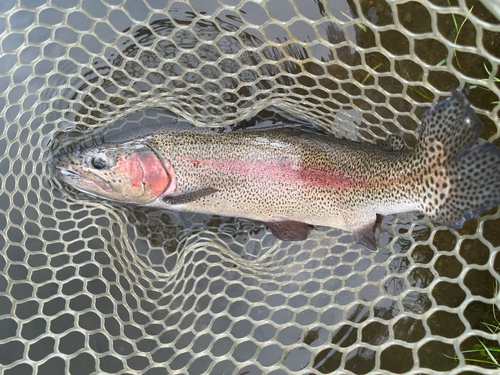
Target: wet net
[88, 287]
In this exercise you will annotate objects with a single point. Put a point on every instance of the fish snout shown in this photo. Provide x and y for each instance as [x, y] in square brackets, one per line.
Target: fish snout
[71, 170]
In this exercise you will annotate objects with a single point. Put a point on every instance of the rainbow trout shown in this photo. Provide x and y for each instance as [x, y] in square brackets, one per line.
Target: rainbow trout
[292, 178]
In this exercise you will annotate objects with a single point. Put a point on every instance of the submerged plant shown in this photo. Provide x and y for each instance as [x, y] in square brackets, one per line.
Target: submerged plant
[489, 355]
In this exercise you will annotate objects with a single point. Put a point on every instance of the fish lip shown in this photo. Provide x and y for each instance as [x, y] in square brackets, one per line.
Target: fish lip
[68, 175]
[67, 172]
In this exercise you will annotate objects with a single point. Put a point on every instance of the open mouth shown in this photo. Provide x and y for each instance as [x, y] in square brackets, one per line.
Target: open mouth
[66, 173]
[94, 185]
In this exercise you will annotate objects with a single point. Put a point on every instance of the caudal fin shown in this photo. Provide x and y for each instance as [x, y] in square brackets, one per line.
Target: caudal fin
[452, 124]
[475, 185]
[463, 179]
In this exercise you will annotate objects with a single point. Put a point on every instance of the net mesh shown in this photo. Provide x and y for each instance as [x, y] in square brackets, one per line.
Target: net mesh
[90, 287]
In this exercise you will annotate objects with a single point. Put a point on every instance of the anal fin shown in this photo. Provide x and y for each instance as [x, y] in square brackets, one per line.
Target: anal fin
[365, 235]
[289, 230]
[189, 197]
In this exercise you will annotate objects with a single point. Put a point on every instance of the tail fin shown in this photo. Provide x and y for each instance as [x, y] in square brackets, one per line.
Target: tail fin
[451, 123]
[475, 185]
[463, 178]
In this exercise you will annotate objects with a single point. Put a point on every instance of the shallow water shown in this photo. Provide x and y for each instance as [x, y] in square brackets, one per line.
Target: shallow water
[89, 286]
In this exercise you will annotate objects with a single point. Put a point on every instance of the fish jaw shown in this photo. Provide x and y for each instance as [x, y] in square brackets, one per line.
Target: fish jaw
[130, 172]
[95, 187]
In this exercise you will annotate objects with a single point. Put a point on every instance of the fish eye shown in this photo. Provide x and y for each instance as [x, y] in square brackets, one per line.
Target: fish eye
[99, 162]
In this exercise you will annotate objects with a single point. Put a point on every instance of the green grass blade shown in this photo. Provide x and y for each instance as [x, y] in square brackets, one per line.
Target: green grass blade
[462, 25]
[489, 353]
[363, 27]
[453, 15]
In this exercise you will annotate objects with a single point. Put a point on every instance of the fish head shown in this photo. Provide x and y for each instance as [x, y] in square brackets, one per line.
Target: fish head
[130, 172]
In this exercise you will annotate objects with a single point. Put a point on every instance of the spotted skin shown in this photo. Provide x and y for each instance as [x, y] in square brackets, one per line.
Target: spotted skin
[300, 176]
[285, 173]
[463, 179]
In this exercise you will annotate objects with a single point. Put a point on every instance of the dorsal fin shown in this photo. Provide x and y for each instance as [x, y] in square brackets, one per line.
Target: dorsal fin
[393, 142]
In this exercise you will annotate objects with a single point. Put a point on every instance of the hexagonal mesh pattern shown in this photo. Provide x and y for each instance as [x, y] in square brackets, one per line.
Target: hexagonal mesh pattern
[90, 287]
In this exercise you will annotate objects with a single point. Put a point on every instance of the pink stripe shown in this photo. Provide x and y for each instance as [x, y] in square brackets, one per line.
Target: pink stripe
[285, 172]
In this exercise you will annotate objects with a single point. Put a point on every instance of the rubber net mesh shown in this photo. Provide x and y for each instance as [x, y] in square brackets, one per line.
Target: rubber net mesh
[90, 287]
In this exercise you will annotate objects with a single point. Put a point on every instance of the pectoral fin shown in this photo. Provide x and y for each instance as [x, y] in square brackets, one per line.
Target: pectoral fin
[365, 236]
[289, 230]
[189, 197]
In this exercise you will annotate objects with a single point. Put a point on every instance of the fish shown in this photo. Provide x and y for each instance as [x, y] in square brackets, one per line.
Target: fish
[295, 178]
